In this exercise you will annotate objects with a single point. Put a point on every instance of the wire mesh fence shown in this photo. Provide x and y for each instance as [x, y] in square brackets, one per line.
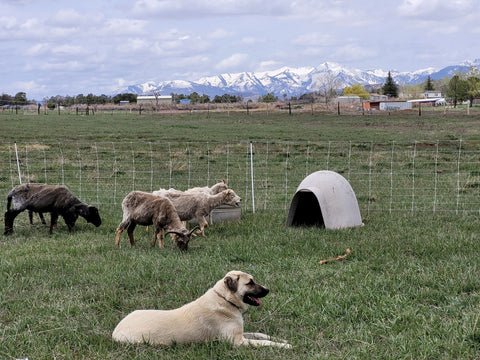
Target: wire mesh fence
[440, 176]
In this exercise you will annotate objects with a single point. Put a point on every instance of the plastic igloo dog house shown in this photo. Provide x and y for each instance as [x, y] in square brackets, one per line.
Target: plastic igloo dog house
[326, 199]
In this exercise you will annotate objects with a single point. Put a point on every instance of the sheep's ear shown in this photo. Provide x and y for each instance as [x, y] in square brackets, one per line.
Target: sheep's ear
[80, 209]
[231, 283]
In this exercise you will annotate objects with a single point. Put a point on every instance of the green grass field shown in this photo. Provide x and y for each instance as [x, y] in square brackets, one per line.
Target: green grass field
[410, 289]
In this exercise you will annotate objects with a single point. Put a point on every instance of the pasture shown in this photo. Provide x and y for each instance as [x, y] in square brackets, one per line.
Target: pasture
[409, 289]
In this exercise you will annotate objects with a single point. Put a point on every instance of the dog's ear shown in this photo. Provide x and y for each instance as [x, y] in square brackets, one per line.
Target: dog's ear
[231, 283]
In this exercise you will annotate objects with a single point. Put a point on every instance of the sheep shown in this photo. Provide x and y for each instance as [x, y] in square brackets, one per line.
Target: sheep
[215, 189]
[198, 205]
[40, 215]
[55, 199]
[142, 208]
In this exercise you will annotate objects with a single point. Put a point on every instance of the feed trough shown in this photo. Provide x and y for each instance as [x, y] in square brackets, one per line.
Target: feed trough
[325, 199]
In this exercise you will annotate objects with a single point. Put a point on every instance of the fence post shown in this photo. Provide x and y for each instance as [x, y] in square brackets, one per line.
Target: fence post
[18, 164]
[251, 172]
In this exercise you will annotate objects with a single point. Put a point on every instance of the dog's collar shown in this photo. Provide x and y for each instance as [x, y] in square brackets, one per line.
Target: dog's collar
[228, 301]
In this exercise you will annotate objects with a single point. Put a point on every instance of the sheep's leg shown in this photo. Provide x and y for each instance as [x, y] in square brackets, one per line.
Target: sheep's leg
[30, 216]
[53, 221]
[10, 216]
[40, 215]
[119, 231]
[130, 229]
[203, 224]
[158, 235]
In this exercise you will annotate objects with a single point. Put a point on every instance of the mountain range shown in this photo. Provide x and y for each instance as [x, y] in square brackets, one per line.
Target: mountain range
[290, 81]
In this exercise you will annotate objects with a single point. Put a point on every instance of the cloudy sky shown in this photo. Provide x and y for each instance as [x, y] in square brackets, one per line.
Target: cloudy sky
[57, 47]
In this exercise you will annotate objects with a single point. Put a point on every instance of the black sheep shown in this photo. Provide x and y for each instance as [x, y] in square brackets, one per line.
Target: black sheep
[55, 199]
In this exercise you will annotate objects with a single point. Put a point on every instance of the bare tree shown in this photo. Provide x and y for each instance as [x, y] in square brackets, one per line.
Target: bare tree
[157, 96]
[326, 85]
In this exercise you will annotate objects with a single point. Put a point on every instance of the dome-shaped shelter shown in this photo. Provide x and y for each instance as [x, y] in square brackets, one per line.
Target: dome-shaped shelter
[324, 198]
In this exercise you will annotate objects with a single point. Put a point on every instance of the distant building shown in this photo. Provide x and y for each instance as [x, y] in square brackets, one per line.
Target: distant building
[348, 99]
[431, 94]
[152, 99]
[387, 105]
[395, 105]
[378, 97]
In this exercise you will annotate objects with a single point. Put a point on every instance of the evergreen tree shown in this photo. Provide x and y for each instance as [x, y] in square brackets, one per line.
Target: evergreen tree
[429, 84]
[390, 88]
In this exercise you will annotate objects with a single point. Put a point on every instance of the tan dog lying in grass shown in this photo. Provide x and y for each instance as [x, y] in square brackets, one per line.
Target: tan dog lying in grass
[215, 315]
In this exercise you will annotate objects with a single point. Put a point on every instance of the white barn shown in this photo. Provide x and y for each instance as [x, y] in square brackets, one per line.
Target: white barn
[152, 99]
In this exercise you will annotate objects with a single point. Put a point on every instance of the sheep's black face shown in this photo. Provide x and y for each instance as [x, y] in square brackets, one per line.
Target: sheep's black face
[182, 242]
[93, 216]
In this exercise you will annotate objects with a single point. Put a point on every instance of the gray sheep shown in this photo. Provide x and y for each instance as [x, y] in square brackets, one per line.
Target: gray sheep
[55, 199]
[141, 208]
[198, 205]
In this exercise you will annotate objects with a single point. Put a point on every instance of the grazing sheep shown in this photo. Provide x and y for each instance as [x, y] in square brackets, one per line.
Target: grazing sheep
[40, 215]
[141, 208]
[215, 189]
[55, 199]
[198, 205]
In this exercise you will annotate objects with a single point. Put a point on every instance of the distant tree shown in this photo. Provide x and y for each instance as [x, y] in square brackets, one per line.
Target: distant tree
[124, 97]
[411, 91]
[177, 97]
[269, 98]
[428, 84]
[102, 99]
[457, 89]
[327, 85]
[157, 98]
[6, 99]
[358, 90]
[441, 85]
[390, 88]
[473, 83]
[194, 97]
[20, 98]
[308, 98]
[225, 99]
[204, 99]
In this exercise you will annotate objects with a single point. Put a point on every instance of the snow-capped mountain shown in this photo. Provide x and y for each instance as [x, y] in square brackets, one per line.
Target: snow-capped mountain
[291, 81]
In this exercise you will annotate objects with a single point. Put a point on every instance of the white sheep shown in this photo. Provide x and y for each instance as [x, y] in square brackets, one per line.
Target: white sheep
[215, 189]
[141, 208]
[198, 205]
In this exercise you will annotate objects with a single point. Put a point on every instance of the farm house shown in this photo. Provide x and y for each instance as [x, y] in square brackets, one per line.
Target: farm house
[152, 99]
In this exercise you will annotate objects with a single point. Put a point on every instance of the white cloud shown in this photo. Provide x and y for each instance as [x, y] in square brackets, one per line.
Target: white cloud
[252, 40]
[219, 34]
[437, 9]
[232, 63]
[269, 65]
[122, 27]
[314, 39]
[352, 51]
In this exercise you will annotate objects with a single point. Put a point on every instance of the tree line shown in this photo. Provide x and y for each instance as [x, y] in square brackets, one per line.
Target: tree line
[458, 88]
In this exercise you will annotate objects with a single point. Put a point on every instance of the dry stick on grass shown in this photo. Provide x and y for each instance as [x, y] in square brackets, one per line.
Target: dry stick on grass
[341, 257]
